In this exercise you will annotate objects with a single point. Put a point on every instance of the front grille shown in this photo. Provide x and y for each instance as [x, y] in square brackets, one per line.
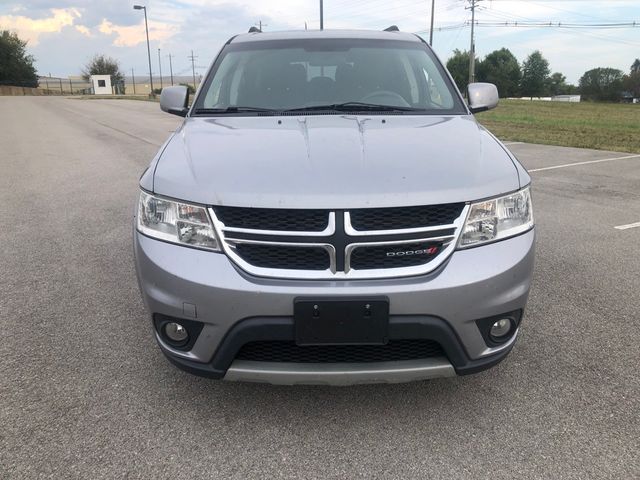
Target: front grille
[289, 352]
[338, 244]
[284, 256]
[406, 255]
[397, 218]
[273, 218]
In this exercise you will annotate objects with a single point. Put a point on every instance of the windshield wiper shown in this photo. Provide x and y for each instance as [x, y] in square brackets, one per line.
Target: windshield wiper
[233, 109]
[355, 107]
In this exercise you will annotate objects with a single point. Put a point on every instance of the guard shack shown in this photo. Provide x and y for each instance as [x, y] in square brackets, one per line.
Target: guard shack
[101, 84]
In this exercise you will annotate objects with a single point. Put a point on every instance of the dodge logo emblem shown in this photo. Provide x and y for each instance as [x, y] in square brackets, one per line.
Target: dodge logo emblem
[407, 253]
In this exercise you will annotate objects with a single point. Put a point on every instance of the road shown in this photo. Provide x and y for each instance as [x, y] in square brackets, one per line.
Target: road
[85, 393]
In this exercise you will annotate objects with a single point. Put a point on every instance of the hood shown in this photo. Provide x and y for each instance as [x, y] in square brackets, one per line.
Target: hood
[333, 161]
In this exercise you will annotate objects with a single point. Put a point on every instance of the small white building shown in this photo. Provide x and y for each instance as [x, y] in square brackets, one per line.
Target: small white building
[567, 98]
[101, 84]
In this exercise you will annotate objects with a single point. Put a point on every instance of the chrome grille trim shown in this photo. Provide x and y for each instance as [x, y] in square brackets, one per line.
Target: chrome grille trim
[229, 237]
[445, 239]
[285, 273]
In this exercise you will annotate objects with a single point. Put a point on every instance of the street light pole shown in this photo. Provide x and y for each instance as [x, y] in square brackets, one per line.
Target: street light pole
[433, 13]
[321, 15]
[146, 27]
[160, 67]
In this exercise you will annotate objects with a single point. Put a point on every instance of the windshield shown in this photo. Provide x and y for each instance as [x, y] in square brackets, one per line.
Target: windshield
[330, 74]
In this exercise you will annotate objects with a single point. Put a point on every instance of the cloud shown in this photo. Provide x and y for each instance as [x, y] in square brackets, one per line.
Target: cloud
[84, 30]
[63, 32]
[128, 36]
[30, 29]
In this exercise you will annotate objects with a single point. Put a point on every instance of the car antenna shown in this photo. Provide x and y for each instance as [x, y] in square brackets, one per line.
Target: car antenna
[255, 30]
[392, 28]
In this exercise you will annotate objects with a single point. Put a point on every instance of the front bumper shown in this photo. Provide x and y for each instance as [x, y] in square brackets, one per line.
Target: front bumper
[472, 284]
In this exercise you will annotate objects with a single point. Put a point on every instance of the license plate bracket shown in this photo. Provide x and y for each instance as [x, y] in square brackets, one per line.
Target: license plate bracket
[362, 321]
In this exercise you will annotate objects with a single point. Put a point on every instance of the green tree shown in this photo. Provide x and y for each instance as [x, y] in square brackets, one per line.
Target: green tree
[458, 66]
[103, 65]
[16, 66]
[631, 84]
[535, 71]
[602, 84]
[635, 67]
[501, 67]
[556, 84]
[190, 88]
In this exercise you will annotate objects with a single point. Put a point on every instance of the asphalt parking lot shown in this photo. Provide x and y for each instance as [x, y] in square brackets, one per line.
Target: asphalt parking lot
[85, 393]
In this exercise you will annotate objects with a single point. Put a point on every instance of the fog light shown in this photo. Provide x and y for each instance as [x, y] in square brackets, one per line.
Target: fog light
[176, 333]
[500, 329]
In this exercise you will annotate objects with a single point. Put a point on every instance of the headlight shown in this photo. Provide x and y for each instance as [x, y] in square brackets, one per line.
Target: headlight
[497, 219]
[176, 222]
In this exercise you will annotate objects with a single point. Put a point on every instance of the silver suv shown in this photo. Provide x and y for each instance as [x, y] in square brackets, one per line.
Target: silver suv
[331, 212]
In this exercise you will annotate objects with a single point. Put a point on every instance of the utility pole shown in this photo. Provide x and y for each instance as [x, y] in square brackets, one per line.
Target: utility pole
[133, 81]
[193, 68]
[433, 14]
[260, 25]
[321, 15]
[170, 68]
[160, 67]
[472, 49]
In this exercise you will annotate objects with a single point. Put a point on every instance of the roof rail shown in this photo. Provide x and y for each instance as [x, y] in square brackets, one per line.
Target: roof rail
[392, 28]
[255, 30]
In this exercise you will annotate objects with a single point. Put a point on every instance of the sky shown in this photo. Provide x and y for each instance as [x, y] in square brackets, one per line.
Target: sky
[64, 34]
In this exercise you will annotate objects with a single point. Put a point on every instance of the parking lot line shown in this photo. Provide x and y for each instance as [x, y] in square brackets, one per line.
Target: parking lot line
[583, 163]
[627, 227]
[513, 143]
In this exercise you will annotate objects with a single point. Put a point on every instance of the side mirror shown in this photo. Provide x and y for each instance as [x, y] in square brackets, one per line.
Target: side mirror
[482, 97]
[175, 100]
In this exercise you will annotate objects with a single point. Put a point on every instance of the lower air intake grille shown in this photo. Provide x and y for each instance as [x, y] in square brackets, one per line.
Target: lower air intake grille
[289, 352]
[284, 256]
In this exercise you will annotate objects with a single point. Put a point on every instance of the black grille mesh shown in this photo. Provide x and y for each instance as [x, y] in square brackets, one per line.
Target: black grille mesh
[273, 218]
[368, 258]
[405, 217]
[289, 352]
[284, 257]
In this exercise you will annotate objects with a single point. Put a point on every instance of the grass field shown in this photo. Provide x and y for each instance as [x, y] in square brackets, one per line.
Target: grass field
[602, 126]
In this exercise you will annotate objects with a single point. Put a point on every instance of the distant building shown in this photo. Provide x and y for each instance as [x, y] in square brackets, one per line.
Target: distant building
[627, 97]
[566, 98]
[101, 84]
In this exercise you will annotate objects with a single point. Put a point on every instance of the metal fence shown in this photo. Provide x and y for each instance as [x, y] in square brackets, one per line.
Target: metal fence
[48, 85]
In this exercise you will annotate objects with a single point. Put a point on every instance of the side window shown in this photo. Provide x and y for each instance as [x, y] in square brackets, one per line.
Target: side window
[215, 94]
[409, 72]
[434, 93]
[102, 83]
[234, 86]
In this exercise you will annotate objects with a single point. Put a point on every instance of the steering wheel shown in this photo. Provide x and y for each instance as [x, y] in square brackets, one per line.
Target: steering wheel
[385, 97]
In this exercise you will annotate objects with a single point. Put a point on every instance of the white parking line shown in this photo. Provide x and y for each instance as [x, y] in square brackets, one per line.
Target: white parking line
[513, 143]
[583, 163]
[627, 227]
